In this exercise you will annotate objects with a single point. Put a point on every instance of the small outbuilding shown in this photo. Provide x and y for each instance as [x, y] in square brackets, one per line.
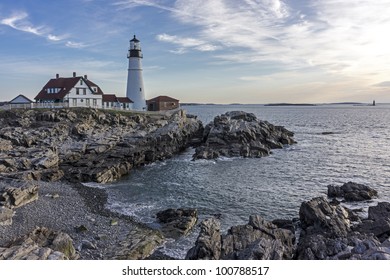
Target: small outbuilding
[20, 102]
[162, 103]
[111, 101]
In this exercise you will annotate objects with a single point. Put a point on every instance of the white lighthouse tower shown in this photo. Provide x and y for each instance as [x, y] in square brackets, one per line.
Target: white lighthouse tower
[135, 83]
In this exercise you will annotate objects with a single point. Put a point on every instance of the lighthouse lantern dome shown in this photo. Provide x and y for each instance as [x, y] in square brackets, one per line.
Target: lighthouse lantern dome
[134, 44]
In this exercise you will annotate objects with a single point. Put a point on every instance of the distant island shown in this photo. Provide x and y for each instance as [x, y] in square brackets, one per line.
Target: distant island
[348, 103]
[289, 104]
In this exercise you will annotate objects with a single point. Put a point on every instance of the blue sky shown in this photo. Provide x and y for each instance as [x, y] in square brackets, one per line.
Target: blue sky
[221, 51]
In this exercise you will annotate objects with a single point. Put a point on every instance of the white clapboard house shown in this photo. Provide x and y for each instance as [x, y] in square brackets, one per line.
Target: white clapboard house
[76, 91]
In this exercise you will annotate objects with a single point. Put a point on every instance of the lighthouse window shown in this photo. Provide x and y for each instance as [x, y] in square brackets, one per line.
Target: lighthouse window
[140, 89]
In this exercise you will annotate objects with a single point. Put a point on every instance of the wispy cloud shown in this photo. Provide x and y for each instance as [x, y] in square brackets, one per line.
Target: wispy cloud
[75, 45]
[19, 21]
[344, 37]
[185, 43]
[382, 84]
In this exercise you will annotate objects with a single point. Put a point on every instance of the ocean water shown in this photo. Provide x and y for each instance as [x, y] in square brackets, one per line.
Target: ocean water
[275, 186]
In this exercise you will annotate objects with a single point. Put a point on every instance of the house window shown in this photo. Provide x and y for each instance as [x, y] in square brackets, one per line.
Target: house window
[81, 100]
[81, 82]
[74, 102]
[77, 91]
[94, 102]
[108, 104]
[95, 89]
[87, 102]
[112, 104]
[84, 91]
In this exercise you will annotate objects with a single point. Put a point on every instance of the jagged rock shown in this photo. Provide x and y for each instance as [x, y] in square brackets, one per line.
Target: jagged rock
[378, 221]
[240, 238]
[285, 224]
[354, 247]
[40, 244]
[238, 133]
[208, 243]
[327, 232]
[177, 222]
[64, 244]
[44, 160]
[259, 239]
[21, 194]
[6, 215]
[262, 249]
[352, 192]
[139, 244]
[88, 144]
[379, 212]
[318, 216]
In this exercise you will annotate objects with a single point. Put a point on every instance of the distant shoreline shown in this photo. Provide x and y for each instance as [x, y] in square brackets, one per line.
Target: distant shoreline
[278, 104]
[290, 104]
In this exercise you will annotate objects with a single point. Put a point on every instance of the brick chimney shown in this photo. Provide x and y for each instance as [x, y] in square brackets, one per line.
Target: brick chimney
[74, 74]
[57, 76]
[85, 77]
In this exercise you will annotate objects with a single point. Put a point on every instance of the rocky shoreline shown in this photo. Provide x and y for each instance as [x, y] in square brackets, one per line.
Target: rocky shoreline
[45, 154]
[326, 231]
[47, 213]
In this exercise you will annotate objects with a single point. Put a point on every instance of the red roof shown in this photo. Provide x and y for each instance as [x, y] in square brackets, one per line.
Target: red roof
[163, 98]
[114, 98]
[124, 100]
[65, 85]
[92, 84]
[109, 98]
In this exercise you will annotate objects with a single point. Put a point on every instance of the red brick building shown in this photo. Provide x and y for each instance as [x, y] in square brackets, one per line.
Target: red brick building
[162, 103]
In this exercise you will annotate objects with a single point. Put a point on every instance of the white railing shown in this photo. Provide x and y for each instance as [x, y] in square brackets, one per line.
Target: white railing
[50, 105]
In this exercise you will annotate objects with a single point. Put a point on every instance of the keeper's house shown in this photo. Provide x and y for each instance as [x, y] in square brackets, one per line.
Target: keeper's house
[76, 91]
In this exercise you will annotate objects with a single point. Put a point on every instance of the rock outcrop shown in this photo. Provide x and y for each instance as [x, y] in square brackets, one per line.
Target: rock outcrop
[208, 243]
[258, 240]
[177, 222]
[40, 244]
[88, 144]
[318, 216]
[83, 145]
[333, 232]
[378, 222]
[241, 134]
[327, 232]
[139, 244]
[14, 194]
[352, 192]
[17, 194]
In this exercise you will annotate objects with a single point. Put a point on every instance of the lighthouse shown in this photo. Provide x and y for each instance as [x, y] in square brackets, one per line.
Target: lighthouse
[135, 83]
